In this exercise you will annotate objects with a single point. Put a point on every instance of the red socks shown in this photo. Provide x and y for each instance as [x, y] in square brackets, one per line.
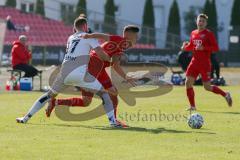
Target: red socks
[79, 102]
[70, 102]
[217, 90]
[190, 94]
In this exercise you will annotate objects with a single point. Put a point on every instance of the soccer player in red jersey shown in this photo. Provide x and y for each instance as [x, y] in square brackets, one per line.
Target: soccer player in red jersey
[114, 47]
[202, 44]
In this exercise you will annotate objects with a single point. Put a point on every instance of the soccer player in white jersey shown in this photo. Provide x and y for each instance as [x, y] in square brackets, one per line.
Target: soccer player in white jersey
[74, 72]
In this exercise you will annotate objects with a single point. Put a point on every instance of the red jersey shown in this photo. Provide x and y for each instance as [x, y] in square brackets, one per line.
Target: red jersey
[206, 39]
[115, 46]
[20, 54]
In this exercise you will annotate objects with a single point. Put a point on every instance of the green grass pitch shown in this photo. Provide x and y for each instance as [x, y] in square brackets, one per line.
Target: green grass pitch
[151, 136]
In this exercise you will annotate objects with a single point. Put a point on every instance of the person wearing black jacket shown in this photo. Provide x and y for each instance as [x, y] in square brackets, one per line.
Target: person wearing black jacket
[215, 66]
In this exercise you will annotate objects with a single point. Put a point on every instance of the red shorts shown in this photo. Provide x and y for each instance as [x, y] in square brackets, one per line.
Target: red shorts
[195, 70]
[97, 68]
[104, 79]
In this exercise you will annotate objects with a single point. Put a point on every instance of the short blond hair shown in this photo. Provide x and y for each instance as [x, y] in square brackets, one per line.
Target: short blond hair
[83, 15]
[131, 28]
[202, 15]
[79, 22]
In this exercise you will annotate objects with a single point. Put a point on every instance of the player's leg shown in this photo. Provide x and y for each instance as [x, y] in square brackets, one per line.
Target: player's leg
[215, 89]
[57, 86]
[86, 97]
[89, 82]
[105, 80]
[191, 75]
[109, 109]
[38, 104]
[82, 101]
[190, 92]
[110, 92]
[114, 98]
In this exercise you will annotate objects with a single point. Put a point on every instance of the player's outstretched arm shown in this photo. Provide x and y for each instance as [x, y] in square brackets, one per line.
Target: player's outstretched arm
[188, 46]
[101, 36]
[121, 73]
[102, 55]
[185, 43]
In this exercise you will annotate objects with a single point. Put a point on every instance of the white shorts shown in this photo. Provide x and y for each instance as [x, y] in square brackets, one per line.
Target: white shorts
[76, 77]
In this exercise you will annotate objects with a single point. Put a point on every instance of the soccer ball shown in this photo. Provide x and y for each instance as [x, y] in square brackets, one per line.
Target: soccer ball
[195, 121]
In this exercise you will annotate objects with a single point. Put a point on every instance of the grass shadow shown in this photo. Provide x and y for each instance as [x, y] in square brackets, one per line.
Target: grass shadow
[234, 113]
[130, 129]
[152, 130]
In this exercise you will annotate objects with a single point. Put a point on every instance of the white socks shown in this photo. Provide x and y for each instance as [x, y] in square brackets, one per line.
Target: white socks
[37, 105]
[108, 106]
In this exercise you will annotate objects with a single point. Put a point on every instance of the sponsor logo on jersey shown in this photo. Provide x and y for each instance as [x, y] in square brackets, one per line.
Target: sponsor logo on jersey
[197, 42]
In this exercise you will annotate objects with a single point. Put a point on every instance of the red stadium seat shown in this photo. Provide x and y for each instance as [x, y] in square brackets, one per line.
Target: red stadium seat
[43, 31]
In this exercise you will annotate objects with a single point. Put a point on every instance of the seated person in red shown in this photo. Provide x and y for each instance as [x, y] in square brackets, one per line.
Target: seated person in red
[21, 57]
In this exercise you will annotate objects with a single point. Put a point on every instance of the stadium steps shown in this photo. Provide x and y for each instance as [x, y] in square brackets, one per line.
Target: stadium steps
[43, 31]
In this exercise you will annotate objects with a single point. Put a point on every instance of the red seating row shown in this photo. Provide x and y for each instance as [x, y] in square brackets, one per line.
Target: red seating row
[43, 31]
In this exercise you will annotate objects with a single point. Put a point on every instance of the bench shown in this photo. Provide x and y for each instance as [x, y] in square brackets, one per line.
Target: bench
[18, 74]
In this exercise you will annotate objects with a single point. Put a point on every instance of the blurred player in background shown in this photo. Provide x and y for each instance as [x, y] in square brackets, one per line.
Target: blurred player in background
[114, 47]
[202, 43]
[215, 73]
[74, 72]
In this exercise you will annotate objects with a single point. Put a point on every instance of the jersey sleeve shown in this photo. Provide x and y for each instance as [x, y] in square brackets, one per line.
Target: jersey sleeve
[212, 46]
[93, 43]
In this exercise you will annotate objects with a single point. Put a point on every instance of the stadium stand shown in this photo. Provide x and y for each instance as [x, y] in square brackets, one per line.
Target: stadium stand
[43, 31]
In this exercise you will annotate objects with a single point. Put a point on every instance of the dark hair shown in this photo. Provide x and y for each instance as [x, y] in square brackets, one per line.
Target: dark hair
[78, 22]
[131, 28]
[202, 15]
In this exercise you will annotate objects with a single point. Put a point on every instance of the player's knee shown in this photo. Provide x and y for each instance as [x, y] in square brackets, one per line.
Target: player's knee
[188, 83]
[207, 87]
[51, 94]
[113, 91]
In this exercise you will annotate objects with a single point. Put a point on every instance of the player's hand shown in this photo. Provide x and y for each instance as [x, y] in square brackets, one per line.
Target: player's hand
[131, 80]
[184, 44]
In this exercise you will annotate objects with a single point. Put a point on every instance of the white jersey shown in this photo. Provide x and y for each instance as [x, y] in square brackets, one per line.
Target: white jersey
[74, 68]
[77, 46]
